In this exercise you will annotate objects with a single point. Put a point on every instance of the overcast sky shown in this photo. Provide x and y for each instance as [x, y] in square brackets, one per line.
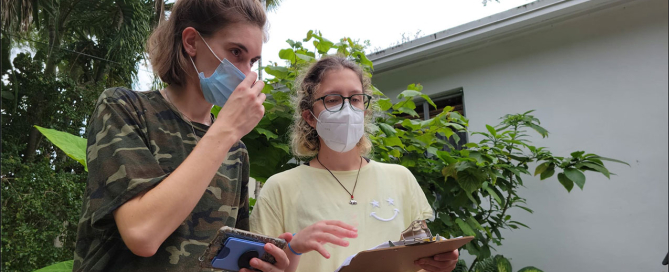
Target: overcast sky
[382, 22]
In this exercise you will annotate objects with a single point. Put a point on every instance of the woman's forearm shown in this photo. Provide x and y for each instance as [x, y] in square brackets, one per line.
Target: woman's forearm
[145, 221]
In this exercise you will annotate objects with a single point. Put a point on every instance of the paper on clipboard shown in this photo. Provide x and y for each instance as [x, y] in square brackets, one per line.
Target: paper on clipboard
[384, 245]
[417, 242]
[399, 258]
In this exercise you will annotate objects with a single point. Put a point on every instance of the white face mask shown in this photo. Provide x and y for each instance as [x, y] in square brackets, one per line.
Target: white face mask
[341, 131]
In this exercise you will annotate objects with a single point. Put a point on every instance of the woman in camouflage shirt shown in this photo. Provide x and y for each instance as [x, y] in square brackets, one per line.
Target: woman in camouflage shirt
[164, 175]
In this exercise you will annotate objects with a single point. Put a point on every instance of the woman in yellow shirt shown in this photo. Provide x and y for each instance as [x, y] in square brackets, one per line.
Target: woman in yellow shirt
[377, 200]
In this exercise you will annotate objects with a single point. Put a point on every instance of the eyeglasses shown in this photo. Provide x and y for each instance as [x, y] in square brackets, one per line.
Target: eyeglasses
[335, 102]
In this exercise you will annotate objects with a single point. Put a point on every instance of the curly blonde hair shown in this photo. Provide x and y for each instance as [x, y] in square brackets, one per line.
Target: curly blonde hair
[304, 138]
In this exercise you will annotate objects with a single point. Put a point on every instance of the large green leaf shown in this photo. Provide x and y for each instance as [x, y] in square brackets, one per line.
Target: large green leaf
[473, 223]
[576, 176]
[541, 168]
[324, 46]
[492, 130]
[304, 57]
[287, 54]
[385, 104]
[387, 129]
[548, 172]
[270, 135]
[65, 266]
[409, 93]
[412, 124]
[309, 35]
[595, 167]
[503, 264]
[565, 181]
[446, 220]
[530, 269]
[471, 180]
[539, 129]
[277, 71]
[393, 141]
[73, 146]
[608, 159]
[577, 154]
[466, 229]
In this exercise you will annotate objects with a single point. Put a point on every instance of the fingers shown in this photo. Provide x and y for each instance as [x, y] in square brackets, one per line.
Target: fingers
[330, 238]
[448, 256]
[430, 264]
[286, 236]
[257, 87]
[249, 81]
[340, 224]
[280, 256]
[340, 232]
[320, 249]
[263, 266]
[261, 98]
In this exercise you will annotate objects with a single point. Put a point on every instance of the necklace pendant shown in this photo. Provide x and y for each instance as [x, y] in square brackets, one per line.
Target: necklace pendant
[353, 202]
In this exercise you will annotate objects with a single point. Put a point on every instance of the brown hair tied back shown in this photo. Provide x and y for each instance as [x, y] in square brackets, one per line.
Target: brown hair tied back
[166, 53]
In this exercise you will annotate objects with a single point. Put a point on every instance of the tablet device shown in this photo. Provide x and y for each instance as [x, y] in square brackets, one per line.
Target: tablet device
[232, 249]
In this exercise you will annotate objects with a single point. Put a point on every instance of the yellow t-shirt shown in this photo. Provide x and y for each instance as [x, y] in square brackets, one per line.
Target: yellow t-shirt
[389, 199]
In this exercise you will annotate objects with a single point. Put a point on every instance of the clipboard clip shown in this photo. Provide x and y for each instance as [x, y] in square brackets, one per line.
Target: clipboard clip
[417, 233]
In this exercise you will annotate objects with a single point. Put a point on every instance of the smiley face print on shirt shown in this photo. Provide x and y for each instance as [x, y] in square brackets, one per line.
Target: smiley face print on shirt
[391, 203]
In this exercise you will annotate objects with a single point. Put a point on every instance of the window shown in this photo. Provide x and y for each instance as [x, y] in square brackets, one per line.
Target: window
[454, 98]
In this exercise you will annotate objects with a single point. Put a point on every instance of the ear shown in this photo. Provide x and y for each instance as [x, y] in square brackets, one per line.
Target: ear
[188, 38]
[307, 116]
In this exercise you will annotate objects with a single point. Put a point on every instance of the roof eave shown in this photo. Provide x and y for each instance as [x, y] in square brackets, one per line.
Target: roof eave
[476, 34]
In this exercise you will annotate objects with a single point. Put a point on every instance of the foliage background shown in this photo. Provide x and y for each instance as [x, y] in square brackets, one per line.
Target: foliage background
[69, 51]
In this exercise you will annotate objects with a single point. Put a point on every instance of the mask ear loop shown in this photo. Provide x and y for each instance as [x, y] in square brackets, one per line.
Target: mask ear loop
[205, 43]
[191, 61]
[312, 114]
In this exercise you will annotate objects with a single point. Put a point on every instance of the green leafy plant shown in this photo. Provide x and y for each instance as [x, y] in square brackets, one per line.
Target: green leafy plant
[473, 189]
[40, 211]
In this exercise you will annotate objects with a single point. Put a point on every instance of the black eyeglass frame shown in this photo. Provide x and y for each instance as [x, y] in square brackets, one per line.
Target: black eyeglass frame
[343, 99]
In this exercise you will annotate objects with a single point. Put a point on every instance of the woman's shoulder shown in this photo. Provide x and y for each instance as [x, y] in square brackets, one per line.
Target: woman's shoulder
[124, 96]
[390, 168]
[290, 177]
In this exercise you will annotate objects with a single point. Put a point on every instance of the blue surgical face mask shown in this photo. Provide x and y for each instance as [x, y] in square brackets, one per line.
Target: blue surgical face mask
[218, 87]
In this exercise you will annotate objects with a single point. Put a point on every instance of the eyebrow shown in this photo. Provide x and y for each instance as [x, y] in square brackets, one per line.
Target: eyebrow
[243, 47]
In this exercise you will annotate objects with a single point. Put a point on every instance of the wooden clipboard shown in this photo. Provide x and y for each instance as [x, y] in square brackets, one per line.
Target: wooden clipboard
[401, 258]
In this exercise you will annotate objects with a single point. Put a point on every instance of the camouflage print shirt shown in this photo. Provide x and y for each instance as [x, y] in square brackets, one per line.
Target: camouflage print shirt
[135, 140]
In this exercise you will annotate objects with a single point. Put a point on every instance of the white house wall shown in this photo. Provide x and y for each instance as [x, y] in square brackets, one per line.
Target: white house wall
[598, 83]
